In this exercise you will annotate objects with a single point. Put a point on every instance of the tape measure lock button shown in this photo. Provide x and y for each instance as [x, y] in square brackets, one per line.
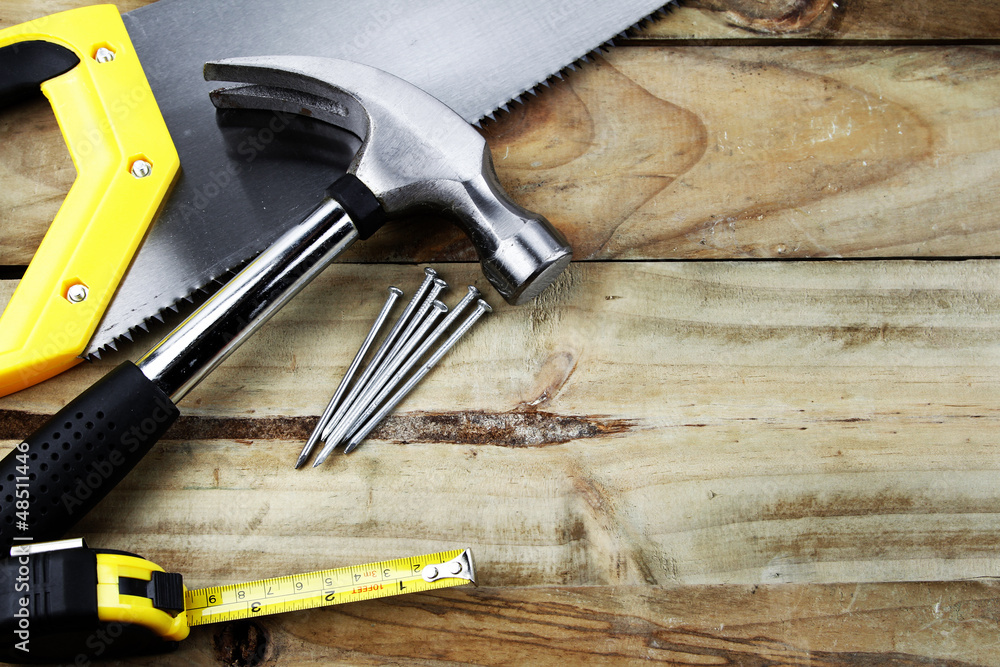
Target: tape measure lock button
[164, 590]
[67, 599]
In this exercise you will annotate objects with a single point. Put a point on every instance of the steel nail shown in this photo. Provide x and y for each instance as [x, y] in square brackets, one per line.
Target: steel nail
[394, 294]
[404, 352]
[481, 309]
[404, 338]
[393, 373]
[383, 349]
[388, 383]
[344, 428]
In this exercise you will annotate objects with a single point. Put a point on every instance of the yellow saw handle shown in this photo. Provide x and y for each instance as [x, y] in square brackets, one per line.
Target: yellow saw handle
[125, 163]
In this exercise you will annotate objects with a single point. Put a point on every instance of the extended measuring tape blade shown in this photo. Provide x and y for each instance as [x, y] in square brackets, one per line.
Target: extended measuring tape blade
[329, 587]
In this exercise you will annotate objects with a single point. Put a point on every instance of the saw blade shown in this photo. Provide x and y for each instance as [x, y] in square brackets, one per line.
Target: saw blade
[241, 187]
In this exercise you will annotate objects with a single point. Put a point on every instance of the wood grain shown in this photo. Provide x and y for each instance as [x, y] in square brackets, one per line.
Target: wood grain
[951, 625]
[856, 20]
[700, 153]
[828, 423]
[765, 152]
[742, 463]
[13, 12]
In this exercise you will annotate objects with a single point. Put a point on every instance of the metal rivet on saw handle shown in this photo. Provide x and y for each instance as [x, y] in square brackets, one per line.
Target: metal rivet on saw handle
[104, 55]
[77, 293]
[141, 169]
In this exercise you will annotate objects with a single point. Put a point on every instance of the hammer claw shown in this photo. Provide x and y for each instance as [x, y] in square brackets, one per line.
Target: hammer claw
[415, 152]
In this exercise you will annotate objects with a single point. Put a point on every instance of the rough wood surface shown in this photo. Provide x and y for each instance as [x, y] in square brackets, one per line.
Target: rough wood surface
[827, 423]
[947, 625]
[863, 20]
[13, 12]
[765, 152]
[693, 152]
[742, 463]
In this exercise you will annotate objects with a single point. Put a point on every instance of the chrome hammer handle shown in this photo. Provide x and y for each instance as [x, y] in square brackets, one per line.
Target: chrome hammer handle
[206, 338]
[68, 465]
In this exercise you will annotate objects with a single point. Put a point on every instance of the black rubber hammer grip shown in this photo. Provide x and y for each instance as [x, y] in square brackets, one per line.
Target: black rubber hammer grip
[52, 479]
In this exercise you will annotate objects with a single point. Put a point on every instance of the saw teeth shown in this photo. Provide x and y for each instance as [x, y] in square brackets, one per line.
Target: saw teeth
[196, 295]
[585, 59]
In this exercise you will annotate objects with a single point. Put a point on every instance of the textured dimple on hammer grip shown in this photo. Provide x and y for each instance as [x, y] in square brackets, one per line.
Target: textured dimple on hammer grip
[56, 476]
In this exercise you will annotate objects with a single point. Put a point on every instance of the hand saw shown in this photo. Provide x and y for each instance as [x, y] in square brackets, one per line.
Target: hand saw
[236, 185]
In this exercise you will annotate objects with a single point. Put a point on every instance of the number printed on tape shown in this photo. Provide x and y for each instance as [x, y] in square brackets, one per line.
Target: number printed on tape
[317, 589]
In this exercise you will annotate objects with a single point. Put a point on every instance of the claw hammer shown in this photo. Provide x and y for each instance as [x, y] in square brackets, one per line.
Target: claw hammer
[415, 152]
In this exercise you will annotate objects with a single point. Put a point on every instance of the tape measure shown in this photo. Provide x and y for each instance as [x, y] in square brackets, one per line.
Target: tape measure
[328, 587]
[62, 600]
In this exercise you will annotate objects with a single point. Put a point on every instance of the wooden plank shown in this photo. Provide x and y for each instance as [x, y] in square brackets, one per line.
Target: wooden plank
[740, 463]
[765, 152]
[704, 153]
[19, 11]
[942, 624]
[827, 423]
[879, 20]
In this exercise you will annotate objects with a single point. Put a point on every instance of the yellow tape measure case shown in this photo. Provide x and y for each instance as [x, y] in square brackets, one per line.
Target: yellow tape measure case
[63, 599]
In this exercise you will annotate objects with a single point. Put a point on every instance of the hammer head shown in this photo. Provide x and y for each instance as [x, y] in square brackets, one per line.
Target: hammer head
[415, 152]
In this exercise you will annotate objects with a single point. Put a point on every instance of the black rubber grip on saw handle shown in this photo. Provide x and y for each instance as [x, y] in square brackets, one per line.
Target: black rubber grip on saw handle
[24, 66]
[53, 478]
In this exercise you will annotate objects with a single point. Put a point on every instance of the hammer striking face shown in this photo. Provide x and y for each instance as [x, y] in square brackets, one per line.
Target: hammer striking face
[415, 152]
